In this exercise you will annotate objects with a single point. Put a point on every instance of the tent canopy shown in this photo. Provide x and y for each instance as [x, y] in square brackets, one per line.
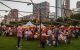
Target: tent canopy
[29, 24]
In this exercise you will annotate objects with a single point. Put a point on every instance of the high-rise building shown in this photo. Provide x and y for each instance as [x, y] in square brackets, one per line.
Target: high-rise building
[59, 8]
[77, 9]
[67, 4]
[63, 8]
[52, 15]
[78, 4]
[42, 9]
[67, 8]
[13, 14]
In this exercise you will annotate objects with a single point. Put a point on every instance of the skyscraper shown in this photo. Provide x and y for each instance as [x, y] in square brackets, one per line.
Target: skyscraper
[13, 14]
[67, 4]
[41, 9]
[63, 12]
[59, 8]
[78, 4]
[67, 8]
[77, 9]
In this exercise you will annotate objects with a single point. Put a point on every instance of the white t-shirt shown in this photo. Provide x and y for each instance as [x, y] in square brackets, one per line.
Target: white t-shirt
[49, 32]
[26, 33]
[29, 32]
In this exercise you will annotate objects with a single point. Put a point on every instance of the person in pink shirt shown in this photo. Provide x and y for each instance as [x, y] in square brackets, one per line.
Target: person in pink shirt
[19, 36]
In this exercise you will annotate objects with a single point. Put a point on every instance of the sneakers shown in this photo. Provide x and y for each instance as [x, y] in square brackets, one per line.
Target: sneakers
[49, 44]
[19, 47]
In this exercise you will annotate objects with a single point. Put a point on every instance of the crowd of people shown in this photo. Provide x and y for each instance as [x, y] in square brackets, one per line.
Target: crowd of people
[8, 30]
[48, 35]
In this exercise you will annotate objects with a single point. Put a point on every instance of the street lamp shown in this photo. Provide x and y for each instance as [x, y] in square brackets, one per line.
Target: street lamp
[39, 18]
[56, 41]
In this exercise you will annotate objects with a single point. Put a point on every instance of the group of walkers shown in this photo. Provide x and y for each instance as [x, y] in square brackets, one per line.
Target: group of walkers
[51, 35]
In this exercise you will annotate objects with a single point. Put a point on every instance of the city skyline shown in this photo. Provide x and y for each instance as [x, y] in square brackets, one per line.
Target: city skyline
[25, 7]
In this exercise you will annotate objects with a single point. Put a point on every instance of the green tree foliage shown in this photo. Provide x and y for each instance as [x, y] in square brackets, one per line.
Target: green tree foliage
[76, 18]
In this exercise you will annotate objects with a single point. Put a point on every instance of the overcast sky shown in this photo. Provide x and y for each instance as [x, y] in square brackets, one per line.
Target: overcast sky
[25, 7]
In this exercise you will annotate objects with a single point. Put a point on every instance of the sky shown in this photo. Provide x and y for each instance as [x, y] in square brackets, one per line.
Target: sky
[28, 8]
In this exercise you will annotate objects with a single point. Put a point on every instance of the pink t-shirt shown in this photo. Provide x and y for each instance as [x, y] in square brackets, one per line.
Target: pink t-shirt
[19, 32]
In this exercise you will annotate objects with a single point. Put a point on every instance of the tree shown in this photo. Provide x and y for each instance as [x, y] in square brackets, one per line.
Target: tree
[13, 23]
[75, 16]
[60, 19]
[75, 19]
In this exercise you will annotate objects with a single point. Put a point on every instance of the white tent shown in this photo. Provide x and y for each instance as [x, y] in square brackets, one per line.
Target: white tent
[29, 24]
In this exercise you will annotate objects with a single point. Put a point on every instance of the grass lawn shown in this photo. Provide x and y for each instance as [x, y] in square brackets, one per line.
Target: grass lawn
[9, 43]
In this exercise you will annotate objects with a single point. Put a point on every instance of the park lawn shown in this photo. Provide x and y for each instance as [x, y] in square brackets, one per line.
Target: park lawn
[9, 43]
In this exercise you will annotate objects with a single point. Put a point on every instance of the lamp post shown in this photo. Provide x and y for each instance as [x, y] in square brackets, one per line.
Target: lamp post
[40, 23]
[39, 17]
[56, 41]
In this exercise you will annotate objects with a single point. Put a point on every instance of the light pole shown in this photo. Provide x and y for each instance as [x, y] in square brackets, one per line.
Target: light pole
[39, 17]
[56, 41]
[40, 22]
